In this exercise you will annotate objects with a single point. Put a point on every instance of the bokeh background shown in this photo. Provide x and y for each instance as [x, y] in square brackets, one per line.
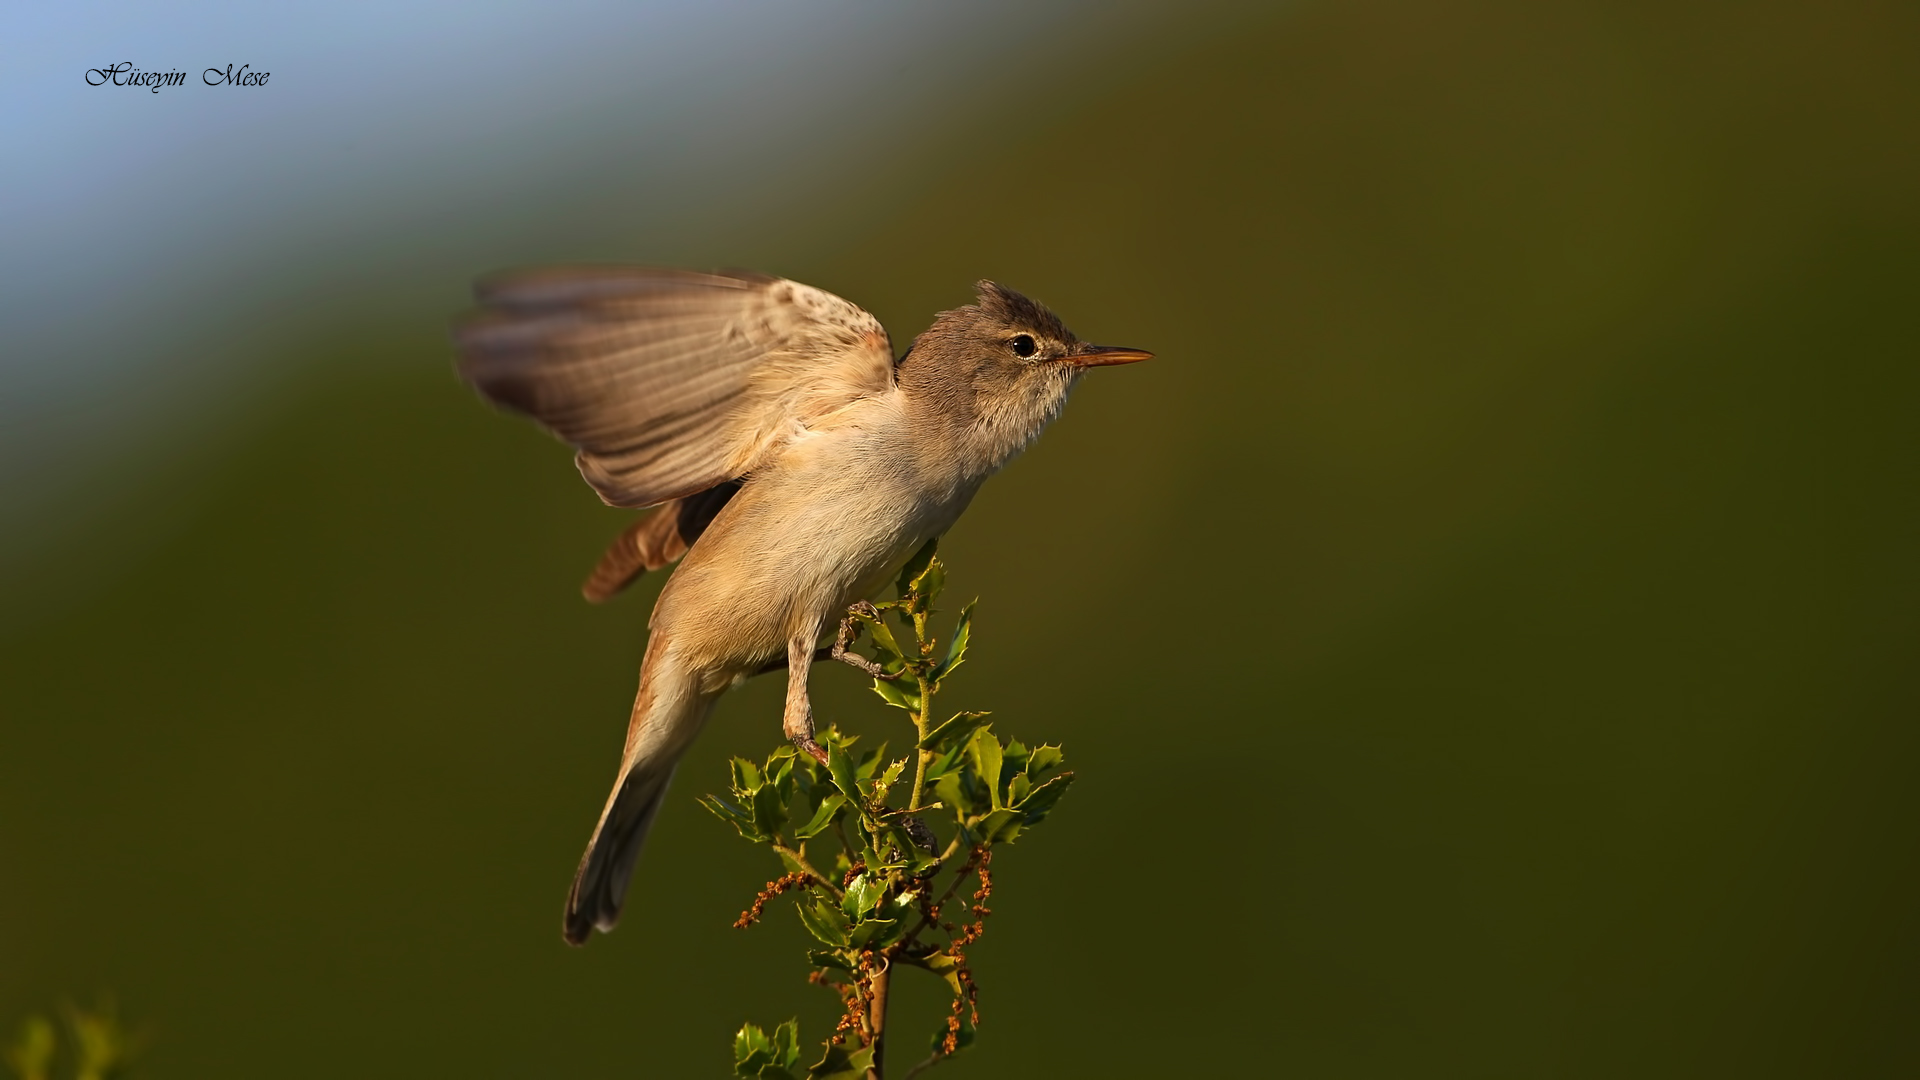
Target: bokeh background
[1486, 634]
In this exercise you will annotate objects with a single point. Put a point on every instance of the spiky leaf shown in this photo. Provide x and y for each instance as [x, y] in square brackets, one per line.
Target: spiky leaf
[842, 1064]
[954, 732]
[825, 921]
[916, 566]
[822, 817]
[957, 648]
[985, 752]
[897, 694]
[733, 815]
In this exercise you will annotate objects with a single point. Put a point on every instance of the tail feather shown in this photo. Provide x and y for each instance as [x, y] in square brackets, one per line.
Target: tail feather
[668, 712]
[600, 885]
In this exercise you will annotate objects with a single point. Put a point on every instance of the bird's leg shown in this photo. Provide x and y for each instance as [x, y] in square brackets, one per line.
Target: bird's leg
[848, 629]
[771, 666]
[798, 721]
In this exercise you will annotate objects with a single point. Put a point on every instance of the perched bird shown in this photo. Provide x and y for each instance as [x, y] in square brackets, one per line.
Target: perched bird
[795, 463]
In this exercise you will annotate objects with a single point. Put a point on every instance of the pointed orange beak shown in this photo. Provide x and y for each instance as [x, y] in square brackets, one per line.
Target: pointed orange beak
[1103, 355]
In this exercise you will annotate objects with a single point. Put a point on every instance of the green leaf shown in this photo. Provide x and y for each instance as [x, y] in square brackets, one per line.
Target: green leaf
[769, 809]
[862, 896]
[930, 582]
[883, 638]
[985, 753]
[888, 778]
[1017, 788]
[999, 827]
[746, 777]
[954, 731]
[733, 815]
[786, 1045]
[823, 958]
[840, 767]
[895, 695]
[751, 1049]
[917, 565]
[874, 933]
[957, 648]
[1042, 760]
[824, 920]
[842, 1064]
[822, 817]
[952, 794]
[1037, 805]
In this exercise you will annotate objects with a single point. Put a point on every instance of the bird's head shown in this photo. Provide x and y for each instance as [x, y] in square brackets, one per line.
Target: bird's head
[1003, 366]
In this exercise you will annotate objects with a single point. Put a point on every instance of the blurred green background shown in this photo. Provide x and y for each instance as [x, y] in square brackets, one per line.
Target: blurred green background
[1485, 635]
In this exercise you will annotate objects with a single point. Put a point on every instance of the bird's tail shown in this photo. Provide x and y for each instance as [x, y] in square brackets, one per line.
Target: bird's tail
[664, 724]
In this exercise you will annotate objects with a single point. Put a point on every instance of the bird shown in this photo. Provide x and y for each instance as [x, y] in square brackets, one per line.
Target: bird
[795, 465]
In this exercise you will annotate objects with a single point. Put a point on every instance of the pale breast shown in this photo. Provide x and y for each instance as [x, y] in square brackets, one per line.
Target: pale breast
[831, 522]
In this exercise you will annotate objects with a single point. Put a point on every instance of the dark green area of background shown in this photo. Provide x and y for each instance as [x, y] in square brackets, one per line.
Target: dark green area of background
[1486, 635]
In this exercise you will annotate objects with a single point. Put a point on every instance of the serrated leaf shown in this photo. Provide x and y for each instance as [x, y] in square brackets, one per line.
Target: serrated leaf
[951, 761]
[751, 1050]
[1037, 805]
[824, 920]
[957, 648]
[917, 565]
[823, 958]
[930, 582]
[954, 731]
[882, 636]
[740, 819]
[746, 777]
[769, 810]
[1043, 759]
[888, 778]
[1013, 762]
[950, 792]
[842, 1064]
[895, 695]
[822, 817]
[872, 932]
[1018, 788]
[999, 827]
[984, 750]
[786, 1044]
[841, 768]
[862, 896]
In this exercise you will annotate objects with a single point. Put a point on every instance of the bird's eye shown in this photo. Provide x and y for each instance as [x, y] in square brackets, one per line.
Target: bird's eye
[1023, 345]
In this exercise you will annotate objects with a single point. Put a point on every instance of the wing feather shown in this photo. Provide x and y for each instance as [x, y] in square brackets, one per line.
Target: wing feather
[668, 382]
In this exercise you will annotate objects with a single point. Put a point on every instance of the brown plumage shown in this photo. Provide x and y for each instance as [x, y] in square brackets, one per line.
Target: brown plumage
[795, 467]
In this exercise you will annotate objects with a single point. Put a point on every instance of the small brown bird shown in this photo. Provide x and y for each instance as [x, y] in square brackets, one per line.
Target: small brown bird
[795, 463]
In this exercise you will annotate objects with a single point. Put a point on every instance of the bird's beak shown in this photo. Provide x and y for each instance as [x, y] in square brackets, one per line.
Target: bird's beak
[1103, 355]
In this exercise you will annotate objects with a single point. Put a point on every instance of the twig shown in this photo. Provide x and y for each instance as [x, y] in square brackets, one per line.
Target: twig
[801, 861]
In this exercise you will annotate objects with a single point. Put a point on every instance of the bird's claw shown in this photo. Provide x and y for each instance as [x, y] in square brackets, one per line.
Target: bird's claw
[812, 749]
[849, 628]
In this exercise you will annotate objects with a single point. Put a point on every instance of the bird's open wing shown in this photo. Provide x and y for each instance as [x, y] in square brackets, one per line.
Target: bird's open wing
[668, 382]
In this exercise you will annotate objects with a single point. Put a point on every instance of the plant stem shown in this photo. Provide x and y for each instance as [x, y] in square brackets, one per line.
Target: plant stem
[877, 1017]
[922, 758]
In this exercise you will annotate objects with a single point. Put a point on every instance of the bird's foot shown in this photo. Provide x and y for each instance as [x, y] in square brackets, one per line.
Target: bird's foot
[812, 749]
[849, 629]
